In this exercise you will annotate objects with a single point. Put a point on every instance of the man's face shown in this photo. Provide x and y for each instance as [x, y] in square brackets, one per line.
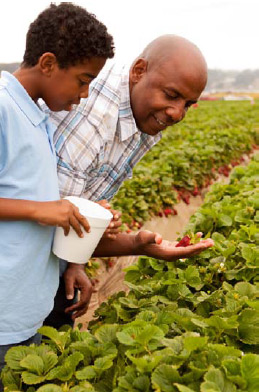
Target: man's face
[65, 87]
[161, 96]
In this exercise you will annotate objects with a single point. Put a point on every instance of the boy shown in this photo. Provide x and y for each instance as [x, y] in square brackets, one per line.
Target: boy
[66, 47]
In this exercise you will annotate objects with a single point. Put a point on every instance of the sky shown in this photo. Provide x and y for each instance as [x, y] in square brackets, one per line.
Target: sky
[226, 31]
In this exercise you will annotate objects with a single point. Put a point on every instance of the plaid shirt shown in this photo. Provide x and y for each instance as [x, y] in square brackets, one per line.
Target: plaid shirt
[98, 142]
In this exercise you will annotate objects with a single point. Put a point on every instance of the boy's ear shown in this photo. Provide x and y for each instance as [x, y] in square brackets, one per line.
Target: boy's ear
[47, 62]
[138, 69]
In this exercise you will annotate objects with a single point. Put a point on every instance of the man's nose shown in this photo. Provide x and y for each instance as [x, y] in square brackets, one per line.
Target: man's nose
[176, 112]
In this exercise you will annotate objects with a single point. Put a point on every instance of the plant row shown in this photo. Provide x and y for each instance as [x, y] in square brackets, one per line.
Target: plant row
[211, 140]
[188, 326]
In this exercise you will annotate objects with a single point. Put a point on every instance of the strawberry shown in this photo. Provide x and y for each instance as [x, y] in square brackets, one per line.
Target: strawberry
[168, 211]
[185, 241]
[186, 199]
[195, 191]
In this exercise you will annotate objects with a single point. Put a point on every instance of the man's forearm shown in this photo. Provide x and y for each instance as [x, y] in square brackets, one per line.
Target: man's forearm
[124, 245]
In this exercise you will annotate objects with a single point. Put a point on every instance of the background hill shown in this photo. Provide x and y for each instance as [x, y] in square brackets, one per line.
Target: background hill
[218, 80]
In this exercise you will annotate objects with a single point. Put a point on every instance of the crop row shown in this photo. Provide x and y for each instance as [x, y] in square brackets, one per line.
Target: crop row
[188, 326]
[211, 140]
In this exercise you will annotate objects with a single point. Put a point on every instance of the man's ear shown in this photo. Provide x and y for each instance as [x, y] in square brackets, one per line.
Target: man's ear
[138, 69]
[47, 62]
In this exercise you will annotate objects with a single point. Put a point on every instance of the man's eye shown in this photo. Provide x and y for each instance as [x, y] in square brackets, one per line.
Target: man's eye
[170, 95]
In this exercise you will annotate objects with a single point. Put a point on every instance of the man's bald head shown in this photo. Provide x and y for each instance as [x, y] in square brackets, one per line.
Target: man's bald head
[165, 80]
[169, 46]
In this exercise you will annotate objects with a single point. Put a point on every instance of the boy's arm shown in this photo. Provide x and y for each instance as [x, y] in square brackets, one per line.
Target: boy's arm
[51, 213]
[146, 243]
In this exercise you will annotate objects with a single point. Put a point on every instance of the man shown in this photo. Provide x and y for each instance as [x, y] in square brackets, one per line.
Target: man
[100, 141]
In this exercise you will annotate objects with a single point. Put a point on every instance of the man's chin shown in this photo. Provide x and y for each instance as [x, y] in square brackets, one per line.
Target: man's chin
[150, 132]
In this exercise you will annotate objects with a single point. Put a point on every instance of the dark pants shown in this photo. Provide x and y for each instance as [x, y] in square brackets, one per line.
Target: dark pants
[4, 348]
[58, 317]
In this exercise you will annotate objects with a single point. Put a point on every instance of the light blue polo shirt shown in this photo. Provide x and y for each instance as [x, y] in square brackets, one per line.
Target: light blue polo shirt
[28, 269]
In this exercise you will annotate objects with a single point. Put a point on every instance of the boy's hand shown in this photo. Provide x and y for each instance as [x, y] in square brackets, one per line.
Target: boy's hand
[152, 245]
[61, 213]
[114, 227]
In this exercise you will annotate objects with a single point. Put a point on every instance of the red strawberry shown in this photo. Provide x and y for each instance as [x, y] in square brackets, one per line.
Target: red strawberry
[186, 199]
[185, 241]
[195, 191]
[168, 211]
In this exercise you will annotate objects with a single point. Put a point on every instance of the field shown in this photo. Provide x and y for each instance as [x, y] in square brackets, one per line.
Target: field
[191, 325]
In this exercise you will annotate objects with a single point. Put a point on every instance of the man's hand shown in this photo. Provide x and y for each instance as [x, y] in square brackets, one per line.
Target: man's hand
[75, 277]
[61, 213]
[114, 227]
[151, 244]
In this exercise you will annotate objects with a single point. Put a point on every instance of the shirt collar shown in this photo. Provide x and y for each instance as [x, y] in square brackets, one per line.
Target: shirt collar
[127, 126]
[22, 98]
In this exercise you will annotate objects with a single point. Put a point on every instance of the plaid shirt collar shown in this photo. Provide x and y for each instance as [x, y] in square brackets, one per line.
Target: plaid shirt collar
[126, 126]
[125, 112]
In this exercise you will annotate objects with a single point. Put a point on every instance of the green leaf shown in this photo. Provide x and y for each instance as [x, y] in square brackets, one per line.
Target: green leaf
[222, 323]
[245, 289]
[251, 255]
[253, 304]
[103, 363]
[224, 220]
[127, 338]
[50, 388]
[150, 332]
[250, 371]
[59, 338]
[142, 384]
[65, 371]
[192, 343]
[183, 388]
[87, 373]
[248, 328]
[33, 363]
[50, 359]
[84, 386]
[15, 354]
[164, 377]
[233, 372]
[106, 333]
[224, 351]
[192, 276]
[146, 363]
[215, 381]
[32, 378]
[10, 379]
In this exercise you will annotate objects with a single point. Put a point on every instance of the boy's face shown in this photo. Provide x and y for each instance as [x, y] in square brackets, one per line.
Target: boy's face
[65, 87]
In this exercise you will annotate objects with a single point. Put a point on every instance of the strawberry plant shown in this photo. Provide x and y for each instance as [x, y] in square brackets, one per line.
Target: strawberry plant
[186, 326]
[211, 140]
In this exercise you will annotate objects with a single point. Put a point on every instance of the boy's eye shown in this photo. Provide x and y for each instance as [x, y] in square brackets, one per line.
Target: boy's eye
[83, 82]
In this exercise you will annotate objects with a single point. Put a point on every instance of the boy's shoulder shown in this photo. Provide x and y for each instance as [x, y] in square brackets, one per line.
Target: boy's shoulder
[6, 102]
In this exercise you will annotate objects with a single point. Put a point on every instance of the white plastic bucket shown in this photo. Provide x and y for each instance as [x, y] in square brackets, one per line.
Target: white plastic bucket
[79, 250]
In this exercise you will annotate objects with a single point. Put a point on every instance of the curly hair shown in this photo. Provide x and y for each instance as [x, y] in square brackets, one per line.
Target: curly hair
[69, 32]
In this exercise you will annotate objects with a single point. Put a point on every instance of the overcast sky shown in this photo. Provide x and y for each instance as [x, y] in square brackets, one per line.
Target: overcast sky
[227, 31]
